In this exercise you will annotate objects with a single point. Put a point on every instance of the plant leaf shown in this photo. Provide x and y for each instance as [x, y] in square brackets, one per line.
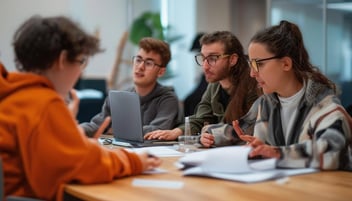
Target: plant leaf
[139, 30]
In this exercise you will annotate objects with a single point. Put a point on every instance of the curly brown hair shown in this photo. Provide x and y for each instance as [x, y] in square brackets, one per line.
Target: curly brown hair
[39, 41]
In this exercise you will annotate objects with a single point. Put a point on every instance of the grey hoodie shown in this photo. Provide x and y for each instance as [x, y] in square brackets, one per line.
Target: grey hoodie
[159, 111]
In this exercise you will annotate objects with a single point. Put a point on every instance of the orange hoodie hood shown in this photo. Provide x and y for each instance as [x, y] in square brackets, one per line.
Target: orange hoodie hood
[11, 82]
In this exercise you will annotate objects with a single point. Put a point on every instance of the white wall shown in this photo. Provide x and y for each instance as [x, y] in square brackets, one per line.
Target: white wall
[213, 15]
[111, 18]
[108, 16]
[12, 15]
[246, 24]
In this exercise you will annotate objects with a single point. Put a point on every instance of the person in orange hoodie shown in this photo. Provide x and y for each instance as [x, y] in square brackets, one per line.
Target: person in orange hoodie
[41, 145]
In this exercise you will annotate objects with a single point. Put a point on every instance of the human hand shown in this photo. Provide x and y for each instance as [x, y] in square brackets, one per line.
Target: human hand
[100, 130]
[109, 131]
[207, 140]
[149, 162]
[73, 104]
[266, 151]
[251, 140]
[260, 148]
[241, 134]
[102, 127]
[163, 134]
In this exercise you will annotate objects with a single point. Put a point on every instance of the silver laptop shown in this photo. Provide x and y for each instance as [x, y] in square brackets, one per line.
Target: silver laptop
[126, 119]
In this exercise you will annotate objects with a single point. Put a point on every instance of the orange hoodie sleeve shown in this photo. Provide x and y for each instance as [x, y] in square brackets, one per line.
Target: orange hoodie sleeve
[55, 153]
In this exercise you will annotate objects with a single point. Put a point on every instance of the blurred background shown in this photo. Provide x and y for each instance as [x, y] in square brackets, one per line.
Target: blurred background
[326, 27]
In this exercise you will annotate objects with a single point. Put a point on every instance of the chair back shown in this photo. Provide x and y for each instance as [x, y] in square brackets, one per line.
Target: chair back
[1, 181]
[10, 198]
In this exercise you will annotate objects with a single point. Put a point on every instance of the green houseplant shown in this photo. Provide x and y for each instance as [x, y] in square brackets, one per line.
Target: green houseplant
[148, 24]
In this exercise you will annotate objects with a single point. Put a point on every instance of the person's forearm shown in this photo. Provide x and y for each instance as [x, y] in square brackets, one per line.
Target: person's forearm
[177, 131]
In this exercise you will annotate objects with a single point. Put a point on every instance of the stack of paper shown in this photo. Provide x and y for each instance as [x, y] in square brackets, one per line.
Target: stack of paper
[231, 163]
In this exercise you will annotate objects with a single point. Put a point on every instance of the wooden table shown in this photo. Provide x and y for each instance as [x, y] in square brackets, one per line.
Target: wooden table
[334, 185]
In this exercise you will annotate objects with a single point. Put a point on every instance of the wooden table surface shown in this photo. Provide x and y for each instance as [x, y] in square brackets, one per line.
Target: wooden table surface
[327, 185]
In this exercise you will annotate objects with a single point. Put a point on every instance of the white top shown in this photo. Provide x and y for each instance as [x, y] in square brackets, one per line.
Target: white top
[289, 111]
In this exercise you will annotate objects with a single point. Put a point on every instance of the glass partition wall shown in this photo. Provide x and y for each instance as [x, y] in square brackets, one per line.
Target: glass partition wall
[326, 26]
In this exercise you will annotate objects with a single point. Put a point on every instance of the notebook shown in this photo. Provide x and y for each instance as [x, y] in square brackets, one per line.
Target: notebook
[126, 120]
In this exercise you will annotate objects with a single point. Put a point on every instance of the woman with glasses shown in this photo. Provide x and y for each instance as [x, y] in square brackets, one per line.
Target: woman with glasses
[299, 120]
[230, 91]
[159, 104]
[42, 147]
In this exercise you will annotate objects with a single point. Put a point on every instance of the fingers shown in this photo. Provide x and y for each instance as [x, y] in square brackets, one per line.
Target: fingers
[160, 135]
[102, 127]
[265, 151]
[74, 97]
[153, 135]
[237, 128]
[73, 103]
[240, 133]
[147, 135]
[247, 138]
[153, 162]
[167, 135]
[256, 142]
[257, 151]
[109, 131]
[207, 140]
[149, 162]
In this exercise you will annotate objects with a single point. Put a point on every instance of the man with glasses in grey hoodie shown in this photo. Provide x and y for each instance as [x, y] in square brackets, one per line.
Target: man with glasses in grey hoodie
[159, 104]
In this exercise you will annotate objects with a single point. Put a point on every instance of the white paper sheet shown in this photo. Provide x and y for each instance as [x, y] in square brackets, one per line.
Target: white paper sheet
[159, 151]
[252, 177]
[231, 163]
[153, 183]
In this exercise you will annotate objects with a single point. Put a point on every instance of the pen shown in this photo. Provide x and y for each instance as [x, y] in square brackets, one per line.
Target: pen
[151, 155]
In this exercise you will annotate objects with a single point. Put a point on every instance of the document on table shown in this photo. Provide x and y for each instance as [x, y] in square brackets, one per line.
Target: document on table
[153, 183]
[159, 151]
[231, 163]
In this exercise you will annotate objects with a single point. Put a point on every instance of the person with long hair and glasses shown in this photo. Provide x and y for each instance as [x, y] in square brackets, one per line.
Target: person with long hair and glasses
[230, 92]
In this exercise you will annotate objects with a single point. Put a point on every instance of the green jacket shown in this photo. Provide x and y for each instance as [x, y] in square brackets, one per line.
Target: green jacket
[210, 109]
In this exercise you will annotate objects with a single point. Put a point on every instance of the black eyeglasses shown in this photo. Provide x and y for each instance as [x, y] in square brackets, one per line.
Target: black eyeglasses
[148, 63]
[211, 59]
[255, 63]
